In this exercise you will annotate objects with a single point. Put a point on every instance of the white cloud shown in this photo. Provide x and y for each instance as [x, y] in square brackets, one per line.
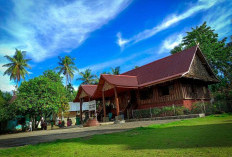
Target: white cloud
[45, 29]
[121, 42]
[170, 42]
[6, 84]
[220, 19]
[169, 21]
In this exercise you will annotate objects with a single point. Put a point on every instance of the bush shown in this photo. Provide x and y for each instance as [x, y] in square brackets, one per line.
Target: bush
[197, 108]
[220, 107]
[145, 113]
[167, 111]
[156, 111]
[209, 108]
[179, 110]
[186, 111]
[203, 107]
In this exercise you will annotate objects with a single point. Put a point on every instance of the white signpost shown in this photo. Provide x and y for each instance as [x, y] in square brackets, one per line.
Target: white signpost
[86, 106]
[92, 105]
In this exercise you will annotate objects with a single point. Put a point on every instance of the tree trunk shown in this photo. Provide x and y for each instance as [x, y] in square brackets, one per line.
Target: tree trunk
[33, 122]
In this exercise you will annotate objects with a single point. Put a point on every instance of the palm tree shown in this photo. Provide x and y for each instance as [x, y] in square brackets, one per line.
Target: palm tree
[87, 77]
[116, 70]
[17, 66]
[67, 67]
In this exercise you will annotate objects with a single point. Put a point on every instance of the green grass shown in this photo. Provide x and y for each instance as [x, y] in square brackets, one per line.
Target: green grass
[209, 136]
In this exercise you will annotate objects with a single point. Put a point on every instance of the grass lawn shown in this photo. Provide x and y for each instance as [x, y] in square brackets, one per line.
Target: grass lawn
[209, 136]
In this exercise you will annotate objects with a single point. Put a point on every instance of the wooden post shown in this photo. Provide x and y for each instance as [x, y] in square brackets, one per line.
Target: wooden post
[81, 102]
[104, 105]
[132, 114]
[89, 110]
[116, 101]
[150, 112]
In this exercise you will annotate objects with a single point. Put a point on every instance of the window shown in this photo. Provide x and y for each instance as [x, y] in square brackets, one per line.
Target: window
[164, 90]
[146, 93]
[193, 90]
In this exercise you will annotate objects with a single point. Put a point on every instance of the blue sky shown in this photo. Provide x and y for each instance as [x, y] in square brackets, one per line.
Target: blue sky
[102, 34]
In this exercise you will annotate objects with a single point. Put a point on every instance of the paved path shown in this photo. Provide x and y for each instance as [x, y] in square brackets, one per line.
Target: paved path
[21, 139]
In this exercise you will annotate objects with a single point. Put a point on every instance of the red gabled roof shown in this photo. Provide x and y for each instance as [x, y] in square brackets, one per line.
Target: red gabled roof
[88, 89]
[121, 80]
[172, 66]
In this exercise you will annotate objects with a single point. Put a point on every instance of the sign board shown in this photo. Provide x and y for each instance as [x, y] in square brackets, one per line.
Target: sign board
[92, 105]
[76, 106]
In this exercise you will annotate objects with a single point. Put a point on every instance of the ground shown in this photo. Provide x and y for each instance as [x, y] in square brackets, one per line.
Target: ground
[209, 136]
[26, 138]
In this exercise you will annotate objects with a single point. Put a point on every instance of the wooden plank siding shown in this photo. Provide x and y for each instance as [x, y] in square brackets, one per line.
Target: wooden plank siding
[201, 91]
[175, 93]
[180, 90]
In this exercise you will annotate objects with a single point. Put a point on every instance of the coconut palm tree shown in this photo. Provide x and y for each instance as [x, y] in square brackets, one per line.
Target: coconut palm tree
[67, 68]
[16, 69]
[115, 71]
[87, 77]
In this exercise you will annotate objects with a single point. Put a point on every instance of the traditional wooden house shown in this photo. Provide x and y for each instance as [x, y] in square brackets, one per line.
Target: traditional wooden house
[179, 79]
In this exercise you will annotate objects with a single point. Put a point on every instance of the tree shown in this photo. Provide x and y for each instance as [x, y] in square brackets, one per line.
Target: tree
[176, 49]
[42, 96]
[219, 56]
[16, 69]
[87, 77]
[7, 110]
[52, 75]
[106, 72]
[136, 67]
[71, 93]
[67, 67]
[115, 71]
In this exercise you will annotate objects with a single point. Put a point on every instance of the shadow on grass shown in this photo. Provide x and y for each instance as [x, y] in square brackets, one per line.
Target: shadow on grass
[211, 135]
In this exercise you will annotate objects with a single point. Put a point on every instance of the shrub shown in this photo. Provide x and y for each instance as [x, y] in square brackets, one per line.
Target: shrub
[220, 107]
[203, 107]
[197, 108]
[210, 108]
[179, 110]
[167, 111]
[156, 111]
[145, 113]
[187, 111]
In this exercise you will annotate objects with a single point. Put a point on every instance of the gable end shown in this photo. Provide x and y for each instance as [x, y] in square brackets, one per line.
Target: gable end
[200, 69]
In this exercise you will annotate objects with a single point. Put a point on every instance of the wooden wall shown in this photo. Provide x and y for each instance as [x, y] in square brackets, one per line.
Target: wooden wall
[195, 90]
[178, 90]
[175, 93]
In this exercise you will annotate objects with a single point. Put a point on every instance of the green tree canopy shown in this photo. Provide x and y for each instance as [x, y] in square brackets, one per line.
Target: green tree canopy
[42, 95]
[115, 71]
[136, 67]
[7, 110]
[16, 69]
